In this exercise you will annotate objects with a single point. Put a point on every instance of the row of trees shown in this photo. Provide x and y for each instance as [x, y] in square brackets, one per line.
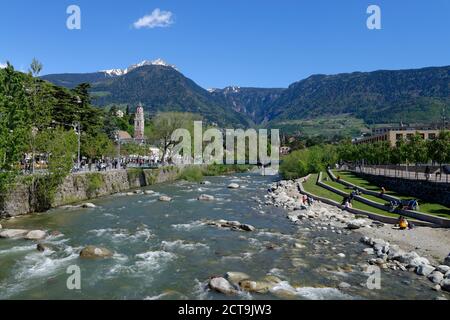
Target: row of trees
[415, 150]
[37, 118]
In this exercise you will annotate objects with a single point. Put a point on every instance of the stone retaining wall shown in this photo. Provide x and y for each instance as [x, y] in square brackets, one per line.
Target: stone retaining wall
[429, 191]
[84, 186]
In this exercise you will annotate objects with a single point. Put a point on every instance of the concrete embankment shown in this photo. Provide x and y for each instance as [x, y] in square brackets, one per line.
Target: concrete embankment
[22, 199]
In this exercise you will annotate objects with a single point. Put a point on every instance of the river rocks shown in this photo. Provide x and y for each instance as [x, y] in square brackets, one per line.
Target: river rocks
[236, 277]
[205, 197]
[206, 183]
[55, 233]
[1, 227]
[233, 225]
[36, 235]
[395, 252]
[91, 252]
[443, 269]
[344, 285]
[356, 224]
[13, 233]
[233, 186]
[272, 279]
[299, 246]
[247, 227]
[445, 285]
[88, 205]
[419, 261]
[424, 270]
[41, 247]
[222, 285]
[436, 277]
[369, 251]
[149, 192]
[447, 260]
[341, 255]
[408, 257]
[165, 199]
[255, 286]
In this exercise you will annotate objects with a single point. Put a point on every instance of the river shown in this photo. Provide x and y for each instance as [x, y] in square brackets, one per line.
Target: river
[162, 250]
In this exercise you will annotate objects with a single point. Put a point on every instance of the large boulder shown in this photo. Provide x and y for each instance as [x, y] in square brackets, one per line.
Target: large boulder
[236, 277]
[447, 260]
[222, 285]
[443, 268]
[88, 205]
[356, 224]
[206, 197]
[36, 235]
[41, 247]
[165, 199]
[13, 233]
[406, 258]
[92, 252]
[247, 227]
[424, 270]
[416, 262]
[445, 284]
[233, 186]
[256, 286]
[436, 277]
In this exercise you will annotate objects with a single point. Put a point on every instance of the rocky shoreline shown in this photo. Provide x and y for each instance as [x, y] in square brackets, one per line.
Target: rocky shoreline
[387, 250]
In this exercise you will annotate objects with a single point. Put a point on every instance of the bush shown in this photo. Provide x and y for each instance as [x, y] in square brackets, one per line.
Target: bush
[221, 169]
[303, 162]
[95, 182]
[192, 174]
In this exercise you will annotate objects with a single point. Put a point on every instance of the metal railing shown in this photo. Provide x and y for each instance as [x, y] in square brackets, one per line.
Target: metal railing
[404, 172]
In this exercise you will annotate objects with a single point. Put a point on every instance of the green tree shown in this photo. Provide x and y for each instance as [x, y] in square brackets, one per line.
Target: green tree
[439, 149]
[164, 124]
[14, 123]
[96, 146]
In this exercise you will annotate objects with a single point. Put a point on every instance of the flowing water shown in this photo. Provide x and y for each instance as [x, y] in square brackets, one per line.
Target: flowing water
[162, 250]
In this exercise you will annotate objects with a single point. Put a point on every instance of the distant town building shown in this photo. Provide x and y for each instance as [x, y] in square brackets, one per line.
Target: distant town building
[285, 151]
[124, 136]
[139, 124]
[119, 114]
[396, 134]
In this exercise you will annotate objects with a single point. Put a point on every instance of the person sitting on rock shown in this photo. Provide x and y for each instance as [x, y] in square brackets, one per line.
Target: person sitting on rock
[403, 223]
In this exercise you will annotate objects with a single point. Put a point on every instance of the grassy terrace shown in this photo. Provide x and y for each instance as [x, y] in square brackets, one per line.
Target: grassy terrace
[311, 187]
[425, 207]
[343, 188]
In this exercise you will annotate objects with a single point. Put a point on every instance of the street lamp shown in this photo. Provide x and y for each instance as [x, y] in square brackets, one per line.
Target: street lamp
[118, 148]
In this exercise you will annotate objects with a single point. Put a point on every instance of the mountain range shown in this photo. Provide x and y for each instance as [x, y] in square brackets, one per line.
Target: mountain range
[416, 95]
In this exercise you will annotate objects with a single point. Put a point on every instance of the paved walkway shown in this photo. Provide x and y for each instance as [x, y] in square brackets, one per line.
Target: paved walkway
[445, 178]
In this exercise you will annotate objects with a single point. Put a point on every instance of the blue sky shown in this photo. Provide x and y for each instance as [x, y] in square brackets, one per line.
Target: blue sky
[217, 43]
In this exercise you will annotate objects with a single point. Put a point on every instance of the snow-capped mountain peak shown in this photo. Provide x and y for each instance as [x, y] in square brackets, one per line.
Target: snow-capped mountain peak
[121, 72]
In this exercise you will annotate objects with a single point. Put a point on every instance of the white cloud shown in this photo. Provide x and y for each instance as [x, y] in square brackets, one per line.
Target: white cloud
[2, 65]
[156, 19]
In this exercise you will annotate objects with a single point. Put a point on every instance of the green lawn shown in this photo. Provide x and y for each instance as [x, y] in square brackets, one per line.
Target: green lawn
[425, 207]
[348, 190]
[311, 187]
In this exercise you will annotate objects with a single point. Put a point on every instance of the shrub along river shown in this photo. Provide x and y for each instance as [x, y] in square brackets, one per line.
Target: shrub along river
[163, 251]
